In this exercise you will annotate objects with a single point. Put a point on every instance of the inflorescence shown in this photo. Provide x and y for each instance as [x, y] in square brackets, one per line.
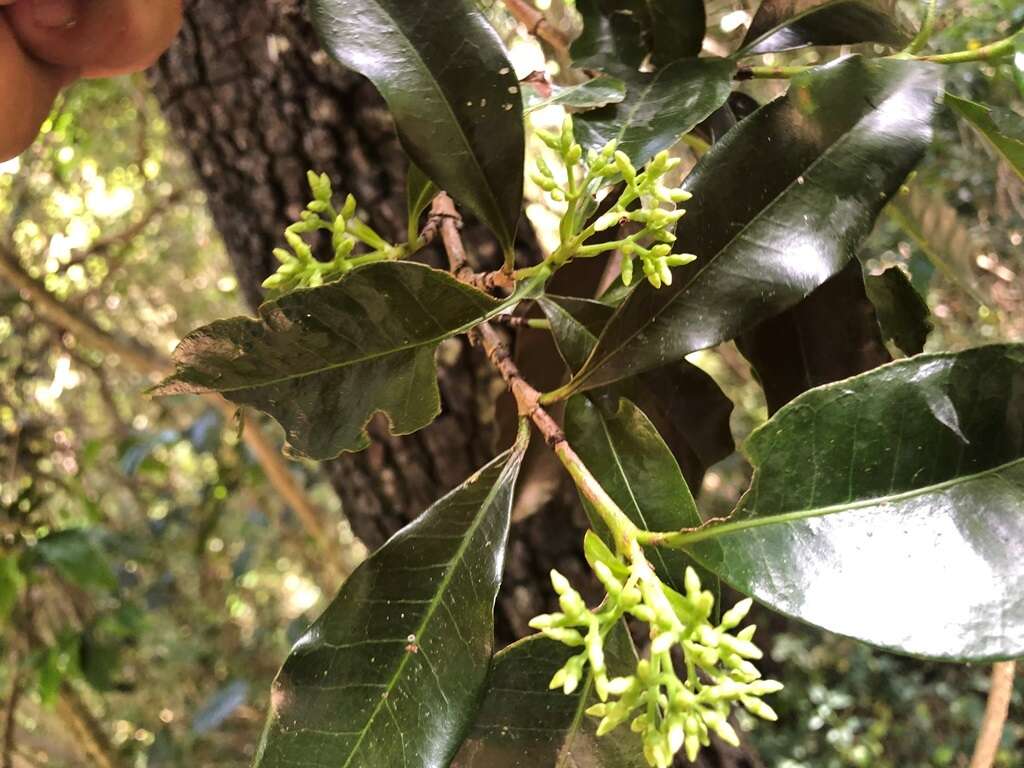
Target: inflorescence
[670, 712]
[299, 268]
[645, 201]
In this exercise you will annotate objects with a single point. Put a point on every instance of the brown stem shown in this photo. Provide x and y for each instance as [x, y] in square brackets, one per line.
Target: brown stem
[996, 710]
[537, 25]
[86, 730]
[445, 219]
[149, 362]
[528, 398]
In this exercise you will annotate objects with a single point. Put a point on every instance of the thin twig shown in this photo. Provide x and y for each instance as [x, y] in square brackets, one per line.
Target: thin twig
[996, 710]
[445, 220]
[528, 400]
[538, 25]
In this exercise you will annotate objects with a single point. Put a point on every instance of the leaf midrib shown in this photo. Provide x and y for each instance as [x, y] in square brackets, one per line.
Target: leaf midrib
[584, 374]
[346, 363]
[832, 509]
[457, 561]
[451, 112]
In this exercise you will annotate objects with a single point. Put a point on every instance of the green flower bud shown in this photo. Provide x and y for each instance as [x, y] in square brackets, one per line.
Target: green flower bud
[692, 583]
[692, 744]
[736, 614]
[747, 633]
[758, 708]
[721, 726]
[742, 648]
[627, 270]
[625, 167]
[564, 635]
[559, 582]
[349, 208]
[765, 687]
[551, 140]
[545, 620]
[545, 183]
[680, 259]
[276, 280]
[663, 642]
[574, 154]
[607, 221]
[566, 142]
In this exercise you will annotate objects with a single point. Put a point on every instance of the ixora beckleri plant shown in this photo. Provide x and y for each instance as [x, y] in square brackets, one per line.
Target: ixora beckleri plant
[885, 506]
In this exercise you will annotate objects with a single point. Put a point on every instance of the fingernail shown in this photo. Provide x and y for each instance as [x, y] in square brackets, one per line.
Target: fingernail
[54, 14]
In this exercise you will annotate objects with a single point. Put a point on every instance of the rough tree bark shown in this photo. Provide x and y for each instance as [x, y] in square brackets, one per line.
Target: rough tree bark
[254, 101]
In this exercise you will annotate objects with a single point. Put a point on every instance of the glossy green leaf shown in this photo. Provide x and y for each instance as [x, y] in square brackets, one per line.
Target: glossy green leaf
[323, 361]
[77, 558]
[622, 448]
[887, 507]
[613, 35]
[677, 29]
[782, 25]
[828, 157]
[686, 406]
[451, 90]
[590, 94]
[618, 35]
[419, 191]
[832, 334]
[981, 118]
[659, 107]
[523, 724]
[902, 314]
[391, 673]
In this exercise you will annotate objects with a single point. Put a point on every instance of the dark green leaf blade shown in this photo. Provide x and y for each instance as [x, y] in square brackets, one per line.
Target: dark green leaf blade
[832, 334]
[613, 35]
[902, 313]
[981, 119]
[618, 35]
[677, 29]
[782, 25]
[658, 108]
[620, 445]
[322, 361]
[450, 88]
[829, 154]
[590, 94]
[686, 406]
[392, 671]
[522, 724]
[887, 507]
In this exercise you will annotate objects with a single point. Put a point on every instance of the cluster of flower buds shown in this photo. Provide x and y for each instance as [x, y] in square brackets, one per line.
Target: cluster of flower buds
[299, 268]
[670, 712]
[645, 201]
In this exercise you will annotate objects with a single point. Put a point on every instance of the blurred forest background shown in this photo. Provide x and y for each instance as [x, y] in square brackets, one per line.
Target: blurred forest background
[157, 560]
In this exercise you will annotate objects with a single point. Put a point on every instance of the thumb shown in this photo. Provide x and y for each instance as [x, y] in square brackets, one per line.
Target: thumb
[97, 37]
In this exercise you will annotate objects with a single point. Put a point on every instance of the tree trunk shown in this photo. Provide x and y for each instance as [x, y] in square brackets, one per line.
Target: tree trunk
[256, 103]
